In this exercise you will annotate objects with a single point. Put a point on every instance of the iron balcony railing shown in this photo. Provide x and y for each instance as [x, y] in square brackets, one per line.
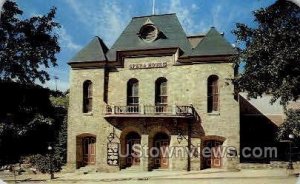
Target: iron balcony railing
[166, 110]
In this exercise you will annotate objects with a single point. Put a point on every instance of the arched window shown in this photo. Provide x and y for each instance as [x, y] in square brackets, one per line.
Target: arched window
[161, 95]
[87, 96]
[212, 93]
[133, 92]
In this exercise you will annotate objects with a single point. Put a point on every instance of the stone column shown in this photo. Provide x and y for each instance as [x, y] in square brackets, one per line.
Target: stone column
[144, 156]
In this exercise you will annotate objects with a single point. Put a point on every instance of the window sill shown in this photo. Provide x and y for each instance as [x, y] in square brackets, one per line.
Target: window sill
[213, 113]
[88, 114]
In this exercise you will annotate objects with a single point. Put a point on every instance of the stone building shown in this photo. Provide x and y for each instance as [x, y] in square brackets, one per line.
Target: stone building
[153, 90]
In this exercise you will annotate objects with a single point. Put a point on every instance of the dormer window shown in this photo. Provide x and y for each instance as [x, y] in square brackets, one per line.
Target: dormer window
[148, 32]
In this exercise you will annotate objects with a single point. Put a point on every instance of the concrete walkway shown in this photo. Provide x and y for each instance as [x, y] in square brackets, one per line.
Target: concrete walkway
[154, 175]
[210, 173]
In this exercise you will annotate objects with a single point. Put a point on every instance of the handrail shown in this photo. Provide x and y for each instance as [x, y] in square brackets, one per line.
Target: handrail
[187, 110]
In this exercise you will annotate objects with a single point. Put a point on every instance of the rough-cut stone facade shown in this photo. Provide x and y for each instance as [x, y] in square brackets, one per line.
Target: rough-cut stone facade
[186, 86]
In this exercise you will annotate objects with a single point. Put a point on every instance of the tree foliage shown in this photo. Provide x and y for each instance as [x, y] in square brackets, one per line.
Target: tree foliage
[271, 52]
[31, 116]
[28, 125]
[27, 47]
[290, 126]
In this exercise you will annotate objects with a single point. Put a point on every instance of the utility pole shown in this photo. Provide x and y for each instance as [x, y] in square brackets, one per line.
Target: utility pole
[55, 78]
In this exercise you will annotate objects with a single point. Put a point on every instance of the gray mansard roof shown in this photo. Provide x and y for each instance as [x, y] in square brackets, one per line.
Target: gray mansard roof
[168, 25]
[172, 36]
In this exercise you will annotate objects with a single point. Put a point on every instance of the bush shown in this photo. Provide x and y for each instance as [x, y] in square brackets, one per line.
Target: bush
[42, 163]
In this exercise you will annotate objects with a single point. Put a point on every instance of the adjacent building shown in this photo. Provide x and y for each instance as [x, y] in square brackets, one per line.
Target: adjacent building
[155, 89]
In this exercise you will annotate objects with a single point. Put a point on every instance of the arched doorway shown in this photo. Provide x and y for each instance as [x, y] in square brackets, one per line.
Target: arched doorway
[133, 157]
[214, 159]
[161, 142]
[85, 150]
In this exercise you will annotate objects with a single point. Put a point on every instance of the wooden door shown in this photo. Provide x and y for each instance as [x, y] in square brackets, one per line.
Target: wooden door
[133, 158]
[216, 160]
[162, 161]
[164, 157]
[207, 160]
[89, 150]
[79, 152]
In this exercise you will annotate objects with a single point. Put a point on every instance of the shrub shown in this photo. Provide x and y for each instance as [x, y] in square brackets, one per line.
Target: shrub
[42, 163]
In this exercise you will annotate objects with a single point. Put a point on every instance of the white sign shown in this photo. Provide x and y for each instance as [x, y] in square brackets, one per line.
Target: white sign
[147, 65]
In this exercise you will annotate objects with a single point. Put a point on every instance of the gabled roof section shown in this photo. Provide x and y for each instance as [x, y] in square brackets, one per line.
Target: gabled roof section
[195, 40]
[95, 51]
[168, 25]
[213, 44]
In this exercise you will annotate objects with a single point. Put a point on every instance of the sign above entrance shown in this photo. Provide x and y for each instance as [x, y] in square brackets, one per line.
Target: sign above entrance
[147, 65]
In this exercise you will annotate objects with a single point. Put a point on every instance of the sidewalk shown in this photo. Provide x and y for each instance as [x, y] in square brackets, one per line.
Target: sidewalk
[210, 173]
[123, 175]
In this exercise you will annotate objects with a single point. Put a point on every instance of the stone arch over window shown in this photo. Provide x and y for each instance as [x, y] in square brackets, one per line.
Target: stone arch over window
[161, 93]
[133, 92]
[87, 96]
[213, 94]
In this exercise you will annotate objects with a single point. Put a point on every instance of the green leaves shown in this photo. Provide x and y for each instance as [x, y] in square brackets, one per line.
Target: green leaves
[27, 47]
[290, 126]
[271, 52]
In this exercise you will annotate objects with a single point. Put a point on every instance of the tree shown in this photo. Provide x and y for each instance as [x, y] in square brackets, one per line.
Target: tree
[271, 53]
[60, 103]
[23, 118]
[290, 126]
[27, 47]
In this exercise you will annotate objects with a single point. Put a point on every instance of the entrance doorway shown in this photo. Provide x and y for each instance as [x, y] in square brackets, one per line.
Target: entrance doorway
[214, 160]
[85, 150]
[133, 157]
[89, 150]
[161, 142]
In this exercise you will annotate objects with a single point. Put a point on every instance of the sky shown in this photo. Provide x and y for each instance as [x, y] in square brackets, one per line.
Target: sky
[81, 20]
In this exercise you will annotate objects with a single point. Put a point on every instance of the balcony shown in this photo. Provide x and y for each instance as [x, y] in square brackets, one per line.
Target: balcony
[151, 111]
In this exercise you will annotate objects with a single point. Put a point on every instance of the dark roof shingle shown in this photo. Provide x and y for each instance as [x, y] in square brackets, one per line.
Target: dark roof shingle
[168, 24]
[213, 44]
[95, 51]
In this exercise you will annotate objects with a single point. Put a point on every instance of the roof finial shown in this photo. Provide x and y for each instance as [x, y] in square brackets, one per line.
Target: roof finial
[153, 7]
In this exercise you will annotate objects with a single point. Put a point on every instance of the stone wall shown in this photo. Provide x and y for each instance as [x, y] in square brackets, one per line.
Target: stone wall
[187, 84]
